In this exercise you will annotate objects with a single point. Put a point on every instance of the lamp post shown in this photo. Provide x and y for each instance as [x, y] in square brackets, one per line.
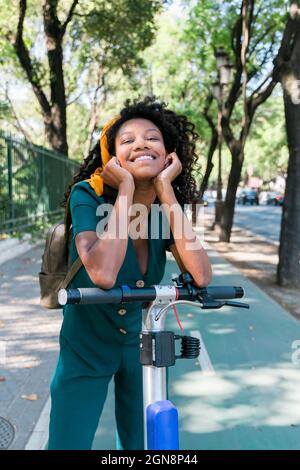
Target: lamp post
[224, 77]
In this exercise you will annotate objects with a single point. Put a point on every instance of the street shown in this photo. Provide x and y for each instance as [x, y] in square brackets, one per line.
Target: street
[261, 220]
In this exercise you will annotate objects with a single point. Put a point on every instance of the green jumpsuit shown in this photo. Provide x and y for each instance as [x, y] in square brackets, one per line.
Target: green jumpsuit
[99, 342]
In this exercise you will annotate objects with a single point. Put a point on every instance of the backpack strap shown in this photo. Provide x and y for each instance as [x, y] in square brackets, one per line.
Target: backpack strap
[74, 268]
[71, 273]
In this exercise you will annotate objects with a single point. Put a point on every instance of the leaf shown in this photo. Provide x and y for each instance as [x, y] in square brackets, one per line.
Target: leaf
[32, 397]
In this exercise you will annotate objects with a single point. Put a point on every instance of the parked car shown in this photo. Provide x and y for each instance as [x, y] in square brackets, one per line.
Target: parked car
[279, 200]
[275, 199]
[249, 196]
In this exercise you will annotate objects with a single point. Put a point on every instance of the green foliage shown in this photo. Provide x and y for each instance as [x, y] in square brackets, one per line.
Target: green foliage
[266, 148]
[78, 116]
[143, 50]
[4, 110]
[212, 25]
[107, 33]
[173, 74]
[119, 28]
[9, 14]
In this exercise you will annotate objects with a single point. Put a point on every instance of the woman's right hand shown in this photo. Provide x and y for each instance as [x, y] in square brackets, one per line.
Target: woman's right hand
[113, 174]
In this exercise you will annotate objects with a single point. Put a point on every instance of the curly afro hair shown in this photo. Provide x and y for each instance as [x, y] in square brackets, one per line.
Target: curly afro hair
[179, 135]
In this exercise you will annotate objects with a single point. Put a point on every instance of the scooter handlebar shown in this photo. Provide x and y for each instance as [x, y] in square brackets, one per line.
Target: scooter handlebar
[125, 293]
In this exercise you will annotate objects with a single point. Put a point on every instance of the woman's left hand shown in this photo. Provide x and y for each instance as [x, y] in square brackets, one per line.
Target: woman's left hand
[173, 168]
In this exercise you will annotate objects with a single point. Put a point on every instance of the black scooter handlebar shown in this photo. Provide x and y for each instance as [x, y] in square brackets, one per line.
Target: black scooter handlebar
[94, 295]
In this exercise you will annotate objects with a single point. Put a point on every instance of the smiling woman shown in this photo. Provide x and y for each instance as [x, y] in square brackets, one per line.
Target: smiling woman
[145, 157]
[140, 149]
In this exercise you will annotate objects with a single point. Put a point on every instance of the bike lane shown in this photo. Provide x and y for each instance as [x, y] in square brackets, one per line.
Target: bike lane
[244, 390]
[245, 393]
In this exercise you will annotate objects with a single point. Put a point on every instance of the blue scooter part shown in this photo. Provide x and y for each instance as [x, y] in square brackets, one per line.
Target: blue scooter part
[162, 426]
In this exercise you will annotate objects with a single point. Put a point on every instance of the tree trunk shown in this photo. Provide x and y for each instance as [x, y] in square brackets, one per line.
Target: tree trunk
[209, 164]
[288, 270]
[211, 150]
[203, 187]
[229, 203]
[56, 126]
[53, 109]
[204, 183]
[55, 121]
[212, 146]
[208, 170]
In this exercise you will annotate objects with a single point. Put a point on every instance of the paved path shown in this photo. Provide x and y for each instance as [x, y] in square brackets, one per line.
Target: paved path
[28, 336]
[245, 395]
[261, 220]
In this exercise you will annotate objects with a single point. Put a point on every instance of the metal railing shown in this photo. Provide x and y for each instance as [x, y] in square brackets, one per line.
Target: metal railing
[32, 183]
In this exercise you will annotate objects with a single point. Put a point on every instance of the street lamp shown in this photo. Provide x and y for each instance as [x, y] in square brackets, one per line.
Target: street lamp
[221, 57]
[224, 78]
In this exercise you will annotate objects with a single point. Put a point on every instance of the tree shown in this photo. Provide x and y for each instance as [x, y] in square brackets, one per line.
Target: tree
[111, 32]
[287, 66]
[174, 67]
[266, 148]
[249, 31]
[53, 108]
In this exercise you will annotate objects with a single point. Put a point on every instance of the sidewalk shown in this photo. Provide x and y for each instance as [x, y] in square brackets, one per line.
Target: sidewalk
[245, 394]
[28, 337]
[256, 258]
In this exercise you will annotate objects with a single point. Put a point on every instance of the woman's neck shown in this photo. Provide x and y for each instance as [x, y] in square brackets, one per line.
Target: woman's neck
[144, 193]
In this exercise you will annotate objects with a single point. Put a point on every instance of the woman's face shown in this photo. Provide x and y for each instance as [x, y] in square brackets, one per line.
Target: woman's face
[140, 148]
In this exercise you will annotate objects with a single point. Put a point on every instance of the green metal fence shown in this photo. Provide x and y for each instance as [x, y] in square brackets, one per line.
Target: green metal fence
[32, 183]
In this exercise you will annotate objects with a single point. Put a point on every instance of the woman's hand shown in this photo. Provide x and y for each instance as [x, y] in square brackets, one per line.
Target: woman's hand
[113, 174]
[173, 168]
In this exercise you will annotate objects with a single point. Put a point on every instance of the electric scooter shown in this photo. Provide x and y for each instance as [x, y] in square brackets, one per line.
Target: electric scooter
[157, 346]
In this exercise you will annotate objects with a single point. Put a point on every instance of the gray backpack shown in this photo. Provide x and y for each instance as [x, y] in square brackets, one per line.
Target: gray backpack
[55, 272]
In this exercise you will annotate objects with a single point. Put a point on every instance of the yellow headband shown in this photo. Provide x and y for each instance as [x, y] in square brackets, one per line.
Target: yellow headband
[96, 180]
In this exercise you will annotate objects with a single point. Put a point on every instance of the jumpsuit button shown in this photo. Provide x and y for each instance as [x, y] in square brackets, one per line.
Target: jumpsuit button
[124, 332]
[140, 283]
[122, 311]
